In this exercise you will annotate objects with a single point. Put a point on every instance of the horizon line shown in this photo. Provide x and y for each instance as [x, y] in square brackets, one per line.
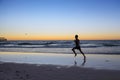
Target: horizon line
[55, 39]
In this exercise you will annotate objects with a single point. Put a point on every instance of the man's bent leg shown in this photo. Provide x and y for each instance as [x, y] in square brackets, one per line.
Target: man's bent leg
[82, 54]
[74, 52]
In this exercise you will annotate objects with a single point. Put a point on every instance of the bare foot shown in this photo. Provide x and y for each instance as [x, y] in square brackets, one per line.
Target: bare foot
[75, 55]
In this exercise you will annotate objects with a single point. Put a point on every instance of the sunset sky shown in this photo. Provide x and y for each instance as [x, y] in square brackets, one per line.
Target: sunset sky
[59, 19]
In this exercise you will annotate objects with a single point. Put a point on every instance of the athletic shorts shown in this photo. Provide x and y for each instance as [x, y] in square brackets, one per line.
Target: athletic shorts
[77, 47]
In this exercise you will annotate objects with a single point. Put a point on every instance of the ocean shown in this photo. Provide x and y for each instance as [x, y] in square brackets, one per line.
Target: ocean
[61, 46]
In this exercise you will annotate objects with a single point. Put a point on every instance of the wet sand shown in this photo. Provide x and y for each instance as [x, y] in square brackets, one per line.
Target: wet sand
[15, 71]
[97, 61]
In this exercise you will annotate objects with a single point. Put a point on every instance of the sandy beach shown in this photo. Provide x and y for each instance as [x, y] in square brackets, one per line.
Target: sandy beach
[51, 66]
[14, 71]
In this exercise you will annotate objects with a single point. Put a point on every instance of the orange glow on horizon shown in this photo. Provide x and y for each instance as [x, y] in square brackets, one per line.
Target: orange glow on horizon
[63, 37]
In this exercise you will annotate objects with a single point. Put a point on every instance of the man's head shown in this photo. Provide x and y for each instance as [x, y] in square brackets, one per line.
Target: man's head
[76, 36]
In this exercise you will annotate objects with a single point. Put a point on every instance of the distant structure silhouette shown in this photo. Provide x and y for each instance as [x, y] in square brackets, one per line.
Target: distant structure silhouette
[77, 46]
[3, 39]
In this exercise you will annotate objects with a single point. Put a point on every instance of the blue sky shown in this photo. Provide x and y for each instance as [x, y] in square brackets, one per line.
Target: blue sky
[92, 19]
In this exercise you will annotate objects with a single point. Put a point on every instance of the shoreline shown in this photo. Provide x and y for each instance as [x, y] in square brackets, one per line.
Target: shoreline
[15, 71]
[96, 61]
[60, 52]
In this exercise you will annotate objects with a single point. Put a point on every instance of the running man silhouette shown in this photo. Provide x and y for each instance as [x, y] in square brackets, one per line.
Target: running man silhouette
[77, 43]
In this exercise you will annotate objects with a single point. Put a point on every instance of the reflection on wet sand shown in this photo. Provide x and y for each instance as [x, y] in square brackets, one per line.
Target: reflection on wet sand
[82, 64]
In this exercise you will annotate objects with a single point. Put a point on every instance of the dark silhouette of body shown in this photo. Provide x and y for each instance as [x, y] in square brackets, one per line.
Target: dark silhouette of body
[77, 43]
